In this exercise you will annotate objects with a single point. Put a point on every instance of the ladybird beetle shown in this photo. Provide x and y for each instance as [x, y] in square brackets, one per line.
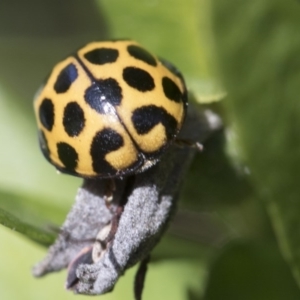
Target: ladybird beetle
[110, 109]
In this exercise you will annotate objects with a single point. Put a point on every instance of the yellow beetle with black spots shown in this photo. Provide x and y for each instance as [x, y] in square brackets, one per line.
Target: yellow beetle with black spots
[109, 110]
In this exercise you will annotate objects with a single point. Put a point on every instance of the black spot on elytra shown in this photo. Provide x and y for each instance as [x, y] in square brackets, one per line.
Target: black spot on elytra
[147, 117]
[44, 144]
[141, 54]
[68, 156]
[46, 113]
[177, 73]
[101, 92]
[104, 142]
[138, 79]
[65, 78]
[73, 119]
[101, 56]
[171, 89]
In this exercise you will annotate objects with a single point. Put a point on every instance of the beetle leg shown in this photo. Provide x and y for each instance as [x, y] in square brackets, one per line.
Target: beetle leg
[110, 189]
[140, 277]
[189, 143]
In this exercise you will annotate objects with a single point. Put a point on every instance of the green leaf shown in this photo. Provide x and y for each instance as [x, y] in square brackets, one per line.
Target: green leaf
[259, 45]
[250, 271]
[34, 233]
[31, 217]
[213, 167]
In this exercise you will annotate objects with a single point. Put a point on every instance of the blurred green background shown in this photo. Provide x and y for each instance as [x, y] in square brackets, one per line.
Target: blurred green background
[237, 232]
